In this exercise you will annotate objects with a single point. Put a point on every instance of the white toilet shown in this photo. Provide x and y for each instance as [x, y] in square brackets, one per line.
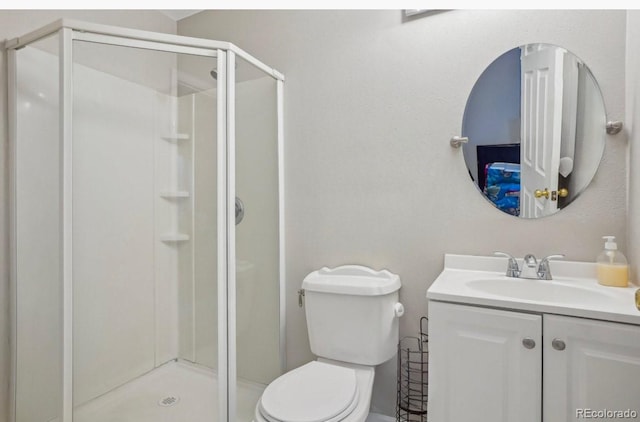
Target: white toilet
[352, 317]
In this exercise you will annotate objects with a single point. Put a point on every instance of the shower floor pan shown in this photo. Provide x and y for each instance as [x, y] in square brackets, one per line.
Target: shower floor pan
[175, 391]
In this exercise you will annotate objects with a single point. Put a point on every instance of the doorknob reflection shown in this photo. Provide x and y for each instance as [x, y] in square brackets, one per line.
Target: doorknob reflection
[562, 193]
[540, 193]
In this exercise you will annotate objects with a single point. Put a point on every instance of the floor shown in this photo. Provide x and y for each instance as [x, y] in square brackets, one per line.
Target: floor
[175, 391]
[377, 417]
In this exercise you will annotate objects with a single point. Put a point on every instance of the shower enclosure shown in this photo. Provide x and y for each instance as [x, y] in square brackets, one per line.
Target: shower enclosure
[137, 293]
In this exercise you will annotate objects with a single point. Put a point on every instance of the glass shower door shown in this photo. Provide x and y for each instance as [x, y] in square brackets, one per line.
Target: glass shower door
[257, 241]
[137, 295]
[37, 270]
[145, 233]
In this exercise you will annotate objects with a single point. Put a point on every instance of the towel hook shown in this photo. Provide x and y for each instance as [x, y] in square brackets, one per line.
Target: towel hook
[456, 141]
[614, 127]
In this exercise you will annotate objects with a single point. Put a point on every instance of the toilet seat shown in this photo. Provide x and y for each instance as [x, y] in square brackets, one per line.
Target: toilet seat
[315, 392]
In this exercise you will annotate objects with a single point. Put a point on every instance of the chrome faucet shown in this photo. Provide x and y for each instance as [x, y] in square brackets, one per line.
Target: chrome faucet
[512, 264]
[530, 267]
[544, 270]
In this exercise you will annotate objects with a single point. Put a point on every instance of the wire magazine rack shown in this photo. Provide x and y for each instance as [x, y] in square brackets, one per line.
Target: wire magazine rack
[413, 374]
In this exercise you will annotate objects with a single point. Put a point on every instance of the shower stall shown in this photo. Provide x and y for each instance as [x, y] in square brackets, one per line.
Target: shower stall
[147, 226]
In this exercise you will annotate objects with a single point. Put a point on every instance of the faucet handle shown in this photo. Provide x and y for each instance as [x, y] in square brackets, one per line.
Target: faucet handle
[512, 266]
[544, 270]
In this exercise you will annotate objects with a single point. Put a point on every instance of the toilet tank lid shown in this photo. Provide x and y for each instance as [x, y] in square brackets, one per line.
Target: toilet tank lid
[352, 280]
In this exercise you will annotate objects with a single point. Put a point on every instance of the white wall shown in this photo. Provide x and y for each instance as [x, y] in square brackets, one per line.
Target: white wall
[589, 129]
[632, 127]
[14, 23]
[370, 105]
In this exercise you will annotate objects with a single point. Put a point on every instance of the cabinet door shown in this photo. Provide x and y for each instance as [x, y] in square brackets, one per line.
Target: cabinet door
[479, 368]
[598, 369]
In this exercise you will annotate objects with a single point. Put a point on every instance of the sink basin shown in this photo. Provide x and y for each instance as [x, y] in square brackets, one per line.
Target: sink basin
[574, 290]
[536, 290]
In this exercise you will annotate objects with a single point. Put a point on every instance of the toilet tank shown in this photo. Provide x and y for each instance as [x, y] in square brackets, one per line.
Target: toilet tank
[352, 313]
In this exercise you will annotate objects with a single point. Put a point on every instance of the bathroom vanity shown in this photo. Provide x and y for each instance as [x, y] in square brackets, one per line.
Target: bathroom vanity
[511, 349]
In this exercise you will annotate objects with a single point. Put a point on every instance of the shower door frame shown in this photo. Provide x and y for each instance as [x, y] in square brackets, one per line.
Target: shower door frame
[226, 53]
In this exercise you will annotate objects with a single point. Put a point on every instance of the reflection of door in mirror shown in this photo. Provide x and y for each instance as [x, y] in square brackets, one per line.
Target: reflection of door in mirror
[535, 121]
[541, 111]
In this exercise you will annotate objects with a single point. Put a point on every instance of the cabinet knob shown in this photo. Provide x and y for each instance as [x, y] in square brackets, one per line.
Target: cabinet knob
[528, 342]
[558, 344]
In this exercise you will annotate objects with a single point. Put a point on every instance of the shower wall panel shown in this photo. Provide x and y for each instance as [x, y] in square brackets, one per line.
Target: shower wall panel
[205, 230]
[198, 269]
[125, 315]
[186, 292]
[114, 273]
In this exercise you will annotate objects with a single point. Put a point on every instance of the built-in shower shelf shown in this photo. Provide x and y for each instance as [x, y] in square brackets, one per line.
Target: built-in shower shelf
[174, 237]
[173, 137]
[174, 194]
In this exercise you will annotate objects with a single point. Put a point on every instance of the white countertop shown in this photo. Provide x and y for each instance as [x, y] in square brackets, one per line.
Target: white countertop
[592, 300]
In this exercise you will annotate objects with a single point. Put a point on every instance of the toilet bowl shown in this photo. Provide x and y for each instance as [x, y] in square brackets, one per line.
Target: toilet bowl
[352, 319]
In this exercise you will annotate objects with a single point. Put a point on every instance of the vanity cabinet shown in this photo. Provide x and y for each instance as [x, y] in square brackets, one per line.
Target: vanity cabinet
[599, 367]
[478, 367]
[502, 366]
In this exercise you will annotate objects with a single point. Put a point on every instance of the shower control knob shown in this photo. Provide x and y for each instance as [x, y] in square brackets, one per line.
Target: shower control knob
[239, 210]
[528, 342]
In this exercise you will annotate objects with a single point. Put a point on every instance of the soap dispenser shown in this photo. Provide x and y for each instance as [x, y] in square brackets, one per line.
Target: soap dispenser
[611, 265]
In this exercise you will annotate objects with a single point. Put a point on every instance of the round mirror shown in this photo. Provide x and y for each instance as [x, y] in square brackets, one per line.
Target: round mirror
[536, 125]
